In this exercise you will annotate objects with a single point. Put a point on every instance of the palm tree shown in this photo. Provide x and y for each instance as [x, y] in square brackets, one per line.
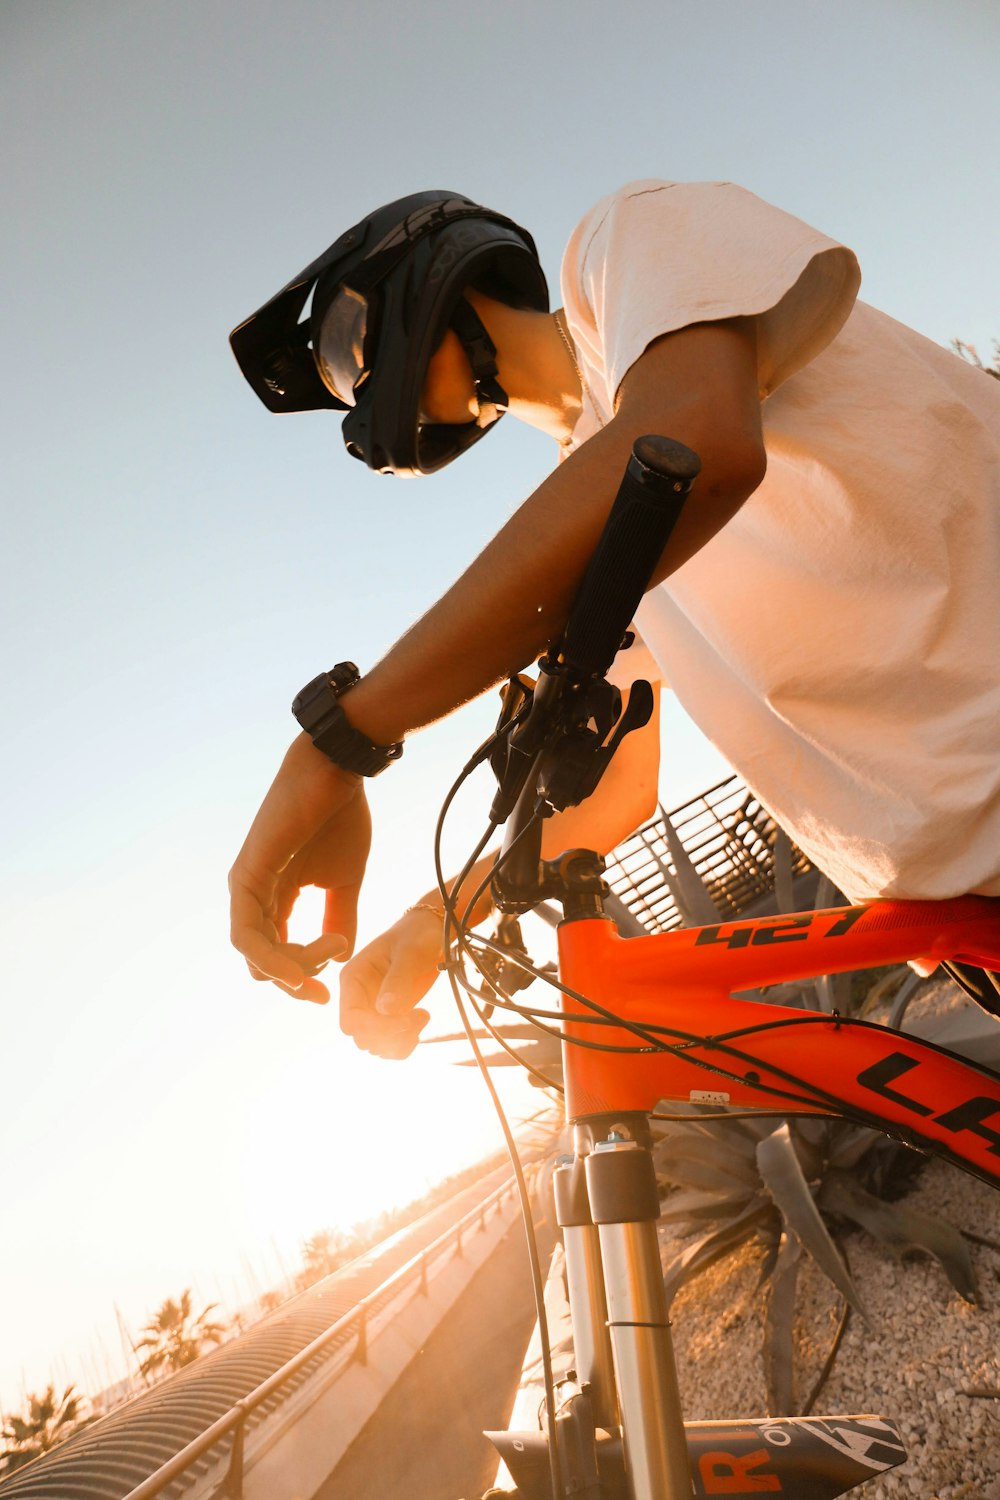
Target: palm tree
[321, 1254]
[47, 1420]
[175, 1338]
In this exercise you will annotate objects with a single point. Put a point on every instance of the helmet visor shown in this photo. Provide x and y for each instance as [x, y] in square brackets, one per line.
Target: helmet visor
[340, 348]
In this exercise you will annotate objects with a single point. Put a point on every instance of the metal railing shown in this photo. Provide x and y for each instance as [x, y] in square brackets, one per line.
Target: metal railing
[235, 1419]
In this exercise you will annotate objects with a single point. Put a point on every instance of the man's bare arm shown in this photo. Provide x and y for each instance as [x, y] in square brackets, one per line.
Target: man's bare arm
[698, 386]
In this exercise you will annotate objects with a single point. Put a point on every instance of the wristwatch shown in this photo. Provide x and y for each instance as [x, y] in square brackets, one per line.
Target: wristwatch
[319, 712]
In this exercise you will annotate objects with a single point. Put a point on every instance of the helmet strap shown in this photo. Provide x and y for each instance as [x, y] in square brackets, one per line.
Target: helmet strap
[480, 351]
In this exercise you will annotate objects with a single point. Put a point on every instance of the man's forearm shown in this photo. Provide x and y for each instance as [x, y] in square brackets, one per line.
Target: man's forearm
[499, 615]
[513, 599]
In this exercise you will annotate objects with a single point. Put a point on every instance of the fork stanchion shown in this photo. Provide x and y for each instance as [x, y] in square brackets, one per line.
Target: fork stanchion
[592, 1358]
[624, 1202]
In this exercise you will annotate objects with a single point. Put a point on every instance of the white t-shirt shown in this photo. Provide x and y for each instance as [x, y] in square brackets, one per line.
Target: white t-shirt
[839, 639]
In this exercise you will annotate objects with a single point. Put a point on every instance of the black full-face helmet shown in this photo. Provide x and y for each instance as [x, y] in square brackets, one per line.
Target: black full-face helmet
[383, 297]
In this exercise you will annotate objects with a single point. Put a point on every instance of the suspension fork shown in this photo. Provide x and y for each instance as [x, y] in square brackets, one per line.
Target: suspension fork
[608, 1205]
[592, 1356]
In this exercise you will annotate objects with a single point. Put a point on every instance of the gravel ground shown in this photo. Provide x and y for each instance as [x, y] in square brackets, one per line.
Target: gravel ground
[920, 1362]
[925, 1351]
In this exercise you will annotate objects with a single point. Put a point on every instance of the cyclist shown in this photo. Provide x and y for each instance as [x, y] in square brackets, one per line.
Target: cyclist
[829, 617]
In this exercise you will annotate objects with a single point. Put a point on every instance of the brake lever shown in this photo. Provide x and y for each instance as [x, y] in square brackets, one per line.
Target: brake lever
[572, 769]
[516, 697]
[519, 751]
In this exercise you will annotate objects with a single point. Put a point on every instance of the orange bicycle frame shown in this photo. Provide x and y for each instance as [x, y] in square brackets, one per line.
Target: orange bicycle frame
[704, 1045]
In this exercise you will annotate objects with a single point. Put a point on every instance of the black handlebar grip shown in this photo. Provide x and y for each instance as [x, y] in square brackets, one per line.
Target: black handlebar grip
[656, 482]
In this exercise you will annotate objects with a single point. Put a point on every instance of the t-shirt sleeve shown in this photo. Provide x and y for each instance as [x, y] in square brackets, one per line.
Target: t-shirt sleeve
[656, 257]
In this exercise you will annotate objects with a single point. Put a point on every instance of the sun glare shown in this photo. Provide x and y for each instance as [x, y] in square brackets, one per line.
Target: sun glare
[333, 1136]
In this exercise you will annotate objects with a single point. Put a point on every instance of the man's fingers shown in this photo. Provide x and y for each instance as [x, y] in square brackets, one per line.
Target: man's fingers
[311, 957]
[359, 986]
[330, 945]
[398, 1048]
[382, 986]
[410, 974]
[341, 914]
[264, 958]
[390, 1003]
[291, 966]
[310, 989]
[392, 1039]
[253, 934]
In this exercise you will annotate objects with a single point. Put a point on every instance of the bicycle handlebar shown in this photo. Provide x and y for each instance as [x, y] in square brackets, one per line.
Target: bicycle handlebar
[650, 498]
[656, 482]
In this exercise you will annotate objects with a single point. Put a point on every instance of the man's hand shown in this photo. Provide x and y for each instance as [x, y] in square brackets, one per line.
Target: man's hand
[381, 988]
[313, 828]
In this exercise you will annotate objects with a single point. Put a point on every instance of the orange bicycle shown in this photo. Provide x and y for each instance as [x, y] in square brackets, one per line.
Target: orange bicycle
[654, 1018]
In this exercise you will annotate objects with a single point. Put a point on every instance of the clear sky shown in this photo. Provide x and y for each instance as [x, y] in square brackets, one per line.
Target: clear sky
[177, 562]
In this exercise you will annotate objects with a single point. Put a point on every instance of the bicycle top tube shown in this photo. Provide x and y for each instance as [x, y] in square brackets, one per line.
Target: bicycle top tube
[696, 1043]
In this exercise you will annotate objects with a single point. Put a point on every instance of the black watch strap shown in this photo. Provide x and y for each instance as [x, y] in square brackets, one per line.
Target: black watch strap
[320, 714]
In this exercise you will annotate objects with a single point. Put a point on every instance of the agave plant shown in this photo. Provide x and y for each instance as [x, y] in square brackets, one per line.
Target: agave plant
[792, 1189]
